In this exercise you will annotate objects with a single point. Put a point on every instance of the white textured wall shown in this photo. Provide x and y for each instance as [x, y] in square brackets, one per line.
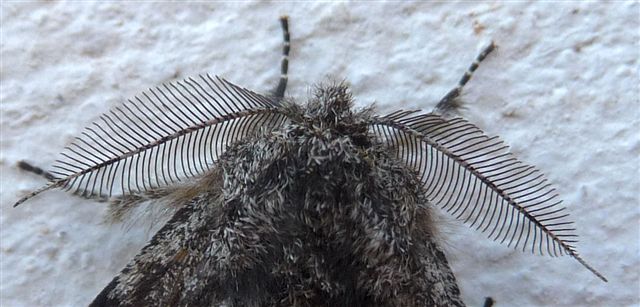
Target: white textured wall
[562, 89]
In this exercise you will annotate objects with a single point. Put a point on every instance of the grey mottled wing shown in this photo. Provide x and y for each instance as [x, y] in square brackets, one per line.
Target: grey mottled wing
[179, 266]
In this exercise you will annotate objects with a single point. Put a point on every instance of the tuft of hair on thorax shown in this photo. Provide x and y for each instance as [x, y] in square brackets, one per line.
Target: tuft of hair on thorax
[331, 103]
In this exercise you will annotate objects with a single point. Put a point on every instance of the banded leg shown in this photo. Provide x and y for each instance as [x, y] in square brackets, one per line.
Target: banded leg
[488, 302]
[25, 166]
[448, 102]
[284, 64]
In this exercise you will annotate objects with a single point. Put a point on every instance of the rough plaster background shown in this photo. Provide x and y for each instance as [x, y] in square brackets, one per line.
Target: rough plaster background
[562, 89]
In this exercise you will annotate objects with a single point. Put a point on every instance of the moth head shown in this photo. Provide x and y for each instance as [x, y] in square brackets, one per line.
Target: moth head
[330, 105]
[330, 112]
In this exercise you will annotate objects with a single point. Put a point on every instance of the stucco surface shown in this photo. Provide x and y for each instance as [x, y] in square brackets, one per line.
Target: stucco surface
[562, 90]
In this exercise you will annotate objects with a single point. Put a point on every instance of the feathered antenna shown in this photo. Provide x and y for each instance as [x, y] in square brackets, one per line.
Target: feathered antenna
[162, 136]
[474, 177]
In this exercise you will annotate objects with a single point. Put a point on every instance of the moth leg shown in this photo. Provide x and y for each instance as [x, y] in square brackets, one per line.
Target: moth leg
[25, 166]
[449, 102]
[284, 63]
[488, 302]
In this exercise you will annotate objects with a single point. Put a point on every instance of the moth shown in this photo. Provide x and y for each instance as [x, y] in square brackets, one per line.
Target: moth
[280, 203]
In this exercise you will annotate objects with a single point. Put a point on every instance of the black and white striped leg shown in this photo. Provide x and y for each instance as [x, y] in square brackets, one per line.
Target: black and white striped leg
[448, 102]
[284, 64]
[25, 166]
[488, 302]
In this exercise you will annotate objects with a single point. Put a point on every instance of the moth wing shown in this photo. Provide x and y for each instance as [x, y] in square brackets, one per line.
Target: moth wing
[179, 266]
